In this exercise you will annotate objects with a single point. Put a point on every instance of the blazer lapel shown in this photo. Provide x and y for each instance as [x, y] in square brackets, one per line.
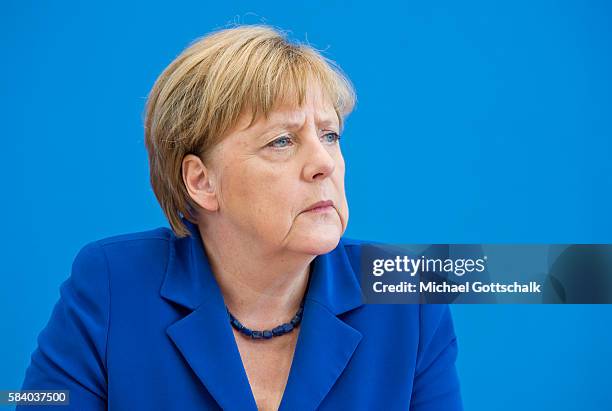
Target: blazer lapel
[208, 345]
[325, 346]
[326, 343]
[205, 339]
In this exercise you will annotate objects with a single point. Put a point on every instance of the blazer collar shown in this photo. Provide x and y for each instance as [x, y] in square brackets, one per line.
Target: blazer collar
[205, 339]
[189, 280]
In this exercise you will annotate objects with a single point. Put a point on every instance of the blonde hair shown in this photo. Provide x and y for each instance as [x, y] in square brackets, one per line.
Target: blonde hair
[201, 94]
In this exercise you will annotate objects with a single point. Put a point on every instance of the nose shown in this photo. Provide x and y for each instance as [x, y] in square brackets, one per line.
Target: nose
[319, 162]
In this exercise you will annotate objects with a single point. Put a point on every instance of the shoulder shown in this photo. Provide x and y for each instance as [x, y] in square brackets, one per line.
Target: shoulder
[352, 248]
[160, 234]
[129, 243]
[353, 244]
[125, 256]
[434, 320]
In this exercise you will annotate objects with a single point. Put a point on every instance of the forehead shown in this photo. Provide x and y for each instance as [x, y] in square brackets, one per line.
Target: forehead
[288, 113]
[296, 116]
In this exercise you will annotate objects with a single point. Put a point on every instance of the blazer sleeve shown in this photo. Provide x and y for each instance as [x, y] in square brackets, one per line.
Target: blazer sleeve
[71, 351]
[436, 383]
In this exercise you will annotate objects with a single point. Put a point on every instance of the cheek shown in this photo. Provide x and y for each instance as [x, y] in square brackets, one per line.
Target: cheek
[344, 210]
[341, 193]
[259, 194]
[339, 179]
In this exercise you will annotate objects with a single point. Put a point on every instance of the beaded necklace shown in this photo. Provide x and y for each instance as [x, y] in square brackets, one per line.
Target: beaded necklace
[267, 334]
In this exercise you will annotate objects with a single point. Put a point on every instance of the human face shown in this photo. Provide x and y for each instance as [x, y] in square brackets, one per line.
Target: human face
[269, 175]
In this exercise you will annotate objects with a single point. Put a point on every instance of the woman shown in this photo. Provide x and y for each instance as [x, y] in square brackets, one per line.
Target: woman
[252, 300]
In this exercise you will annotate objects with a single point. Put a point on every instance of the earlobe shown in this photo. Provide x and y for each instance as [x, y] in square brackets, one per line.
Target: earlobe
[200, 183]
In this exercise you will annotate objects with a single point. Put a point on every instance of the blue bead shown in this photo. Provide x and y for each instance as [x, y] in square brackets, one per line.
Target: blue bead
[267, 334]
[280, 330]
[257, 335]
[246, 331]
[288, 327]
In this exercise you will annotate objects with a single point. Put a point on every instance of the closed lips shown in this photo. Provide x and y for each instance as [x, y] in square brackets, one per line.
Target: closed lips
[320, 204]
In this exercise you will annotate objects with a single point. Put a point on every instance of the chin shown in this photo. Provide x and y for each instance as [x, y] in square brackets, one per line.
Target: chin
[317, 243]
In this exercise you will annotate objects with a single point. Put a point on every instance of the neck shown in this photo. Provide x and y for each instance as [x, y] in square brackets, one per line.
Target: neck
[262, 288]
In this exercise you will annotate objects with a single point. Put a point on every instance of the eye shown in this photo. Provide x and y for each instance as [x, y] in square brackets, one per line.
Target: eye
[331, 138]
[281, 142]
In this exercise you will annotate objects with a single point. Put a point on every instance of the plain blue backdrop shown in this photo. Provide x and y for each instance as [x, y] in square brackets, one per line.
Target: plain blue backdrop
[476, 121]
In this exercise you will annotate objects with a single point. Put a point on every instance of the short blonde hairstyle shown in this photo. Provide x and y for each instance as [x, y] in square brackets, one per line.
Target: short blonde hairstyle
[199, 97]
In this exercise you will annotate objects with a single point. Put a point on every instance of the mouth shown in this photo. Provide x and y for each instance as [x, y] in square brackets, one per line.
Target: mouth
[320, 207]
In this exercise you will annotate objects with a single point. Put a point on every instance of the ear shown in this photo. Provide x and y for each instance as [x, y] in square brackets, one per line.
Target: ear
[200, 182]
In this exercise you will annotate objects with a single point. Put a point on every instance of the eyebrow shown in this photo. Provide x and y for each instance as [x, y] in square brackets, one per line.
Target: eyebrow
[329, 122]
[295, 124]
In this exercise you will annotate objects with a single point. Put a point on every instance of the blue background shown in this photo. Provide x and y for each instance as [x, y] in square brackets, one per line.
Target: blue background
[476, 122]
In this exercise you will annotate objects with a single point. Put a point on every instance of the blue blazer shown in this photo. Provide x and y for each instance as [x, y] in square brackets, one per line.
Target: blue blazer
[141, 325]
